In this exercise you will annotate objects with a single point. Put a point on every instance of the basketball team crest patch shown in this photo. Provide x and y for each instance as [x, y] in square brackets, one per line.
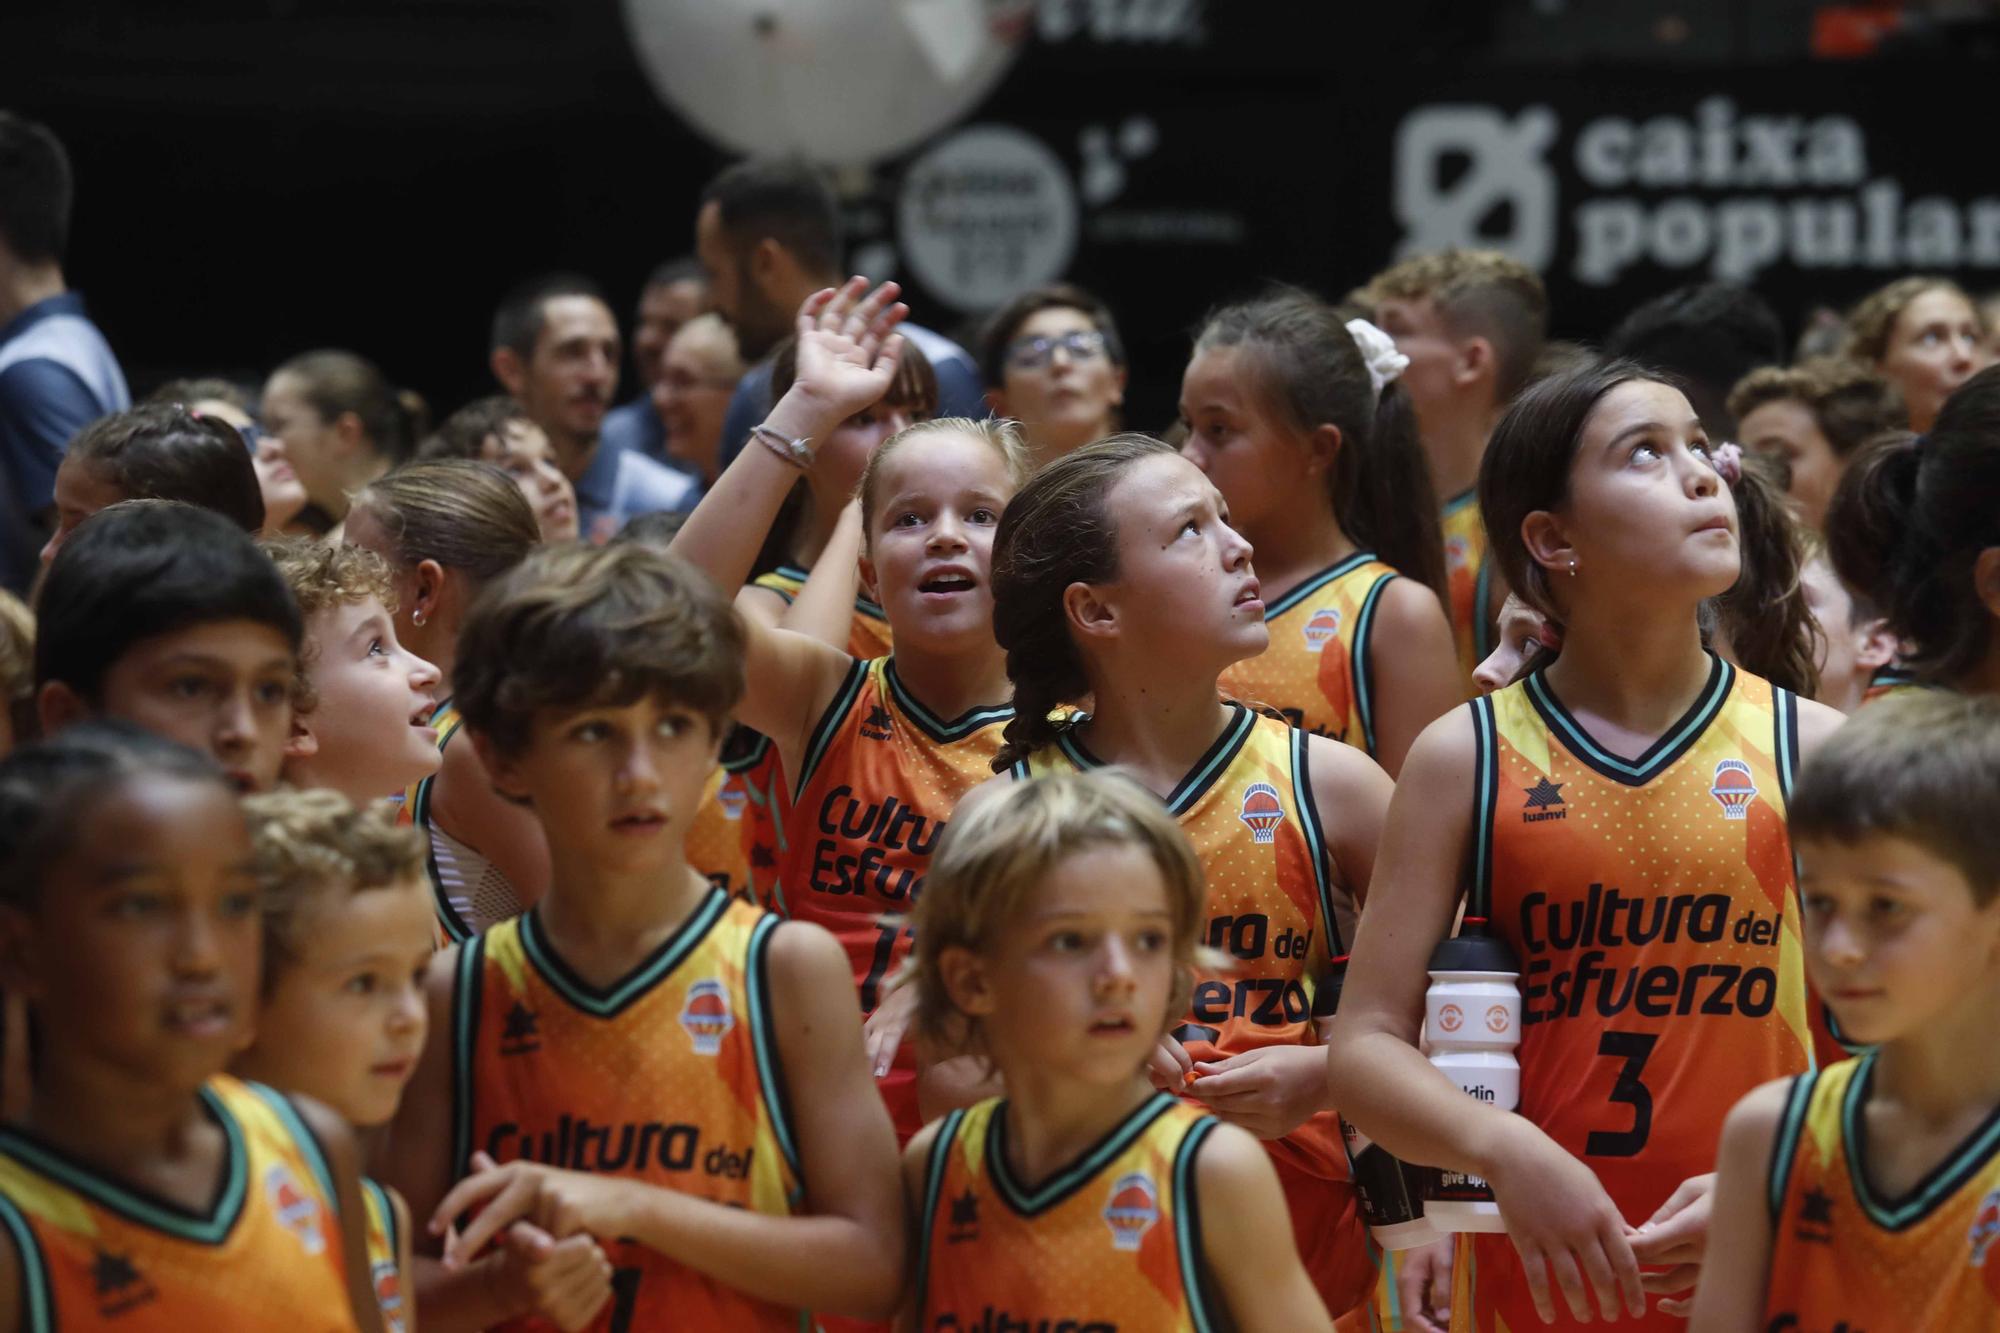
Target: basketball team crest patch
[1132, 1209]
[1325, 623]
[1733, 788]
[296, 1210]
[1262, 811]
[731, 797]
[388, 1294]
[1985, 1228]
[706, 1016]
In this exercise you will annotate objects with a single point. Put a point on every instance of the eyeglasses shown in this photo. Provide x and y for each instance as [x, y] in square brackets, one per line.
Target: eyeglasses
[1034, 353]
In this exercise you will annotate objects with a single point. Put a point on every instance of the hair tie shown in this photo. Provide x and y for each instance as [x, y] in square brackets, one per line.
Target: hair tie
[1727, 460]
[1378, 350]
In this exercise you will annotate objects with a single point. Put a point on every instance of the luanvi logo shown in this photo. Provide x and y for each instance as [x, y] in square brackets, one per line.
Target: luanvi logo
[1710, 188]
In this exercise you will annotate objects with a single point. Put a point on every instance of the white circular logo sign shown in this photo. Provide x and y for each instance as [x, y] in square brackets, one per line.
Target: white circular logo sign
[986, 213]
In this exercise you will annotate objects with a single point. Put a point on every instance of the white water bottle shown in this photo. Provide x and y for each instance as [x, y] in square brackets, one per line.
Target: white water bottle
[1472, 1018]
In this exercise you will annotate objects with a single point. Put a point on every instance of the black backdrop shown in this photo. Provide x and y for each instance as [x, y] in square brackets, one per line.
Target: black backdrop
[262, 176]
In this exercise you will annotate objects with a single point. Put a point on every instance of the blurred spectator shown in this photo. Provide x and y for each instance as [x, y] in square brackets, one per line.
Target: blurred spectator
[674, 293]
[1810, 418]
[768, 236]
[57, 374]
[1053, 361]
[698, 376]
[1925, 335]
[498, 430]
[284, 494]
[1710, 334]
[342, 424]
[555, 350]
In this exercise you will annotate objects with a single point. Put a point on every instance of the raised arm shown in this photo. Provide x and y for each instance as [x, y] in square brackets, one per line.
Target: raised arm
[1556, 1211]
[824, 608]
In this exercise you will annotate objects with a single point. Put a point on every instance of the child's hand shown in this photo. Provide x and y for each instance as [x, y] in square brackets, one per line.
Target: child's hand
[883, 1031]
[1423, 1285]
[1269, 1092]
[561, 1203]
[848, 347]
[565, 1281]
[1169, 1065]
[1676, 1235]
[1560, 1218]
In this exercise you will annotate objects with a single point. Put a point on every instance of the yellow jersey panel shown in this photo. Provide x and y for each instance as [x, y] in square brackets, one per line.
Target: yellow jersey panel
[668, 1076]
[1111, 1241]
[265, 1254]
[1843, 1257]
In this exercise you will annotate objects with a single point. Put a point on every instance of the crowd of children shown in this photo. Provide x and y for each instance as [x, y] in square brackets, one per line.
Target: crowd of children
[910, 891]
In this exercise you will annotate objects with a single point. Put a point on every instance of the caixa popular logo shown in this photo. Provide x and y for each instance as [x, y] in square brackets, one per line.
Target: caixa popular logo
[1131, 1210]
[1707, 188]
[706, 1015]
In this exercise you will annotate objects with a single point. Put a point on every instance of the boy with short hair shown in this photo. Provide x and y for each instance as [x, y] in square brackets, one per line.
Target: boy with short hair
[169, 616]
[364, 702]
[676, 1073]
[1867, 1194]
[347, 936]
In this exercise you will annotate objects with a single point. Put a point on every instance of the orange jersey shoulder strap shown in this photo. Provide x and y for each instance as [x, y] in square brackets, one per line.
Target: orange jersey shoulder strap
[868, 637]
[1845, 1256]
[267, 1252]
[1468, 580]
[385, 1250]
[1111, 1241]
[1316, 672]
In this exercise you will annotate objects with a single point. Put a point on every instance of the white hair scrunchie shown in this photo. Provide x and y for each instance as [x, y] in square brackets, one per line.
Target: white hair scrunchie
[1378, 349]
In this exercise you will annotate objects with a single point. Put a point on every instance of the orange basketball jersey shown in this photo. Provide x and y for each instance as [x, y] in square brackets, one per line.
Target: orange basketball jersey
[266, 1254]
[385, 1269]
[1247, 807]
[468, 892]
[1890, 680]
[723, 839]
[1469, 580]
[1651, 904]
[669, 1076]
[1316, 671]
[1845, 1258]
[867, 638]
[880, 778]
[1111, 1241]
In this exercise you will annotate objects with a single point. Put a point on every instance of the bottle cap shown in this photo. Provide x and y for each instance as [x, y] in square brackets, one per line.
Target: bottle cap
[1473, 953]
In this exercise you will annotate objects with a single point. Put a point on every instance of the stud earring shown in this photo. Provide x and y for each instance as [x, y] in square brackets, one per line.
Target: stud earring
[1572, 567]
[417, 617]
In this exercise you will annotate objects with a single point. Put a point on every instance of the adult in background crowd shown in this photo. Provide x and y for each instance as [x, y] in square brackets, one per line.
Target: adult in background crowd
[1925, 336]
[342, 425]
[57, 374]
[674, 293]
[698, 376]
[1054, 362]
[768, 236]
[555, 350]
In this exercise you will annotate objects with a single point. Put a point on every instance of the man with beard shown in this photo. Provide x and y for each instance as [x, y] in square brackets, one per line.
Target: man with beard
[555, 348]
[768, 236]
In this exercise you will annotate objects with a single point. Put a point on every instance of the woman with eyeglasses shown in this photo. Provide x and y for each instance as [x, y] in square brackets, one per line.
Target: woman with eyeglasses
[1053, 361]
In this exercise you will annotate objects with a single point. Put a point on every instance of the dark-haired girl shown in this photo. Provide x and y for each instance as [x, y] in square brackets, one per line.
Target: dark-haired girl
[1119, 581]
[1647, 893]
[1915, 528]
[1313, 446]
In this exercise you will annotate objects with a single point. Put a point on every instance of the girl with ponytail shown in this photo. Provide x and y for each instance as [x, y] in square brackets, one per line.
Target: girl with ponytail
[1632, 777]
[1297, 418]
[1118, 583]
[1914, 528]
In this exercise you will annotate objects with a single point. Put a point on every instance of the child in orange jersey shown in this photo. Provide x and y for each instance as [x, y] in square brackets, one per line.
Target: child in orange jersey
[1299, 421]
[1119, 583]
[639, 1056]
[1057, 940]
[347, 935]
[446, 529]
[143, 1188]
[1867, 1195]
[1655, 777]
[878, 752]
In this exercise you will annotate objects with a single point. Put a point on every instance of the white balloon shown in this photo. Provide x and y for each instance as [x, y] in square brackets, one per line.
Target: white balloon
[843, 82]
